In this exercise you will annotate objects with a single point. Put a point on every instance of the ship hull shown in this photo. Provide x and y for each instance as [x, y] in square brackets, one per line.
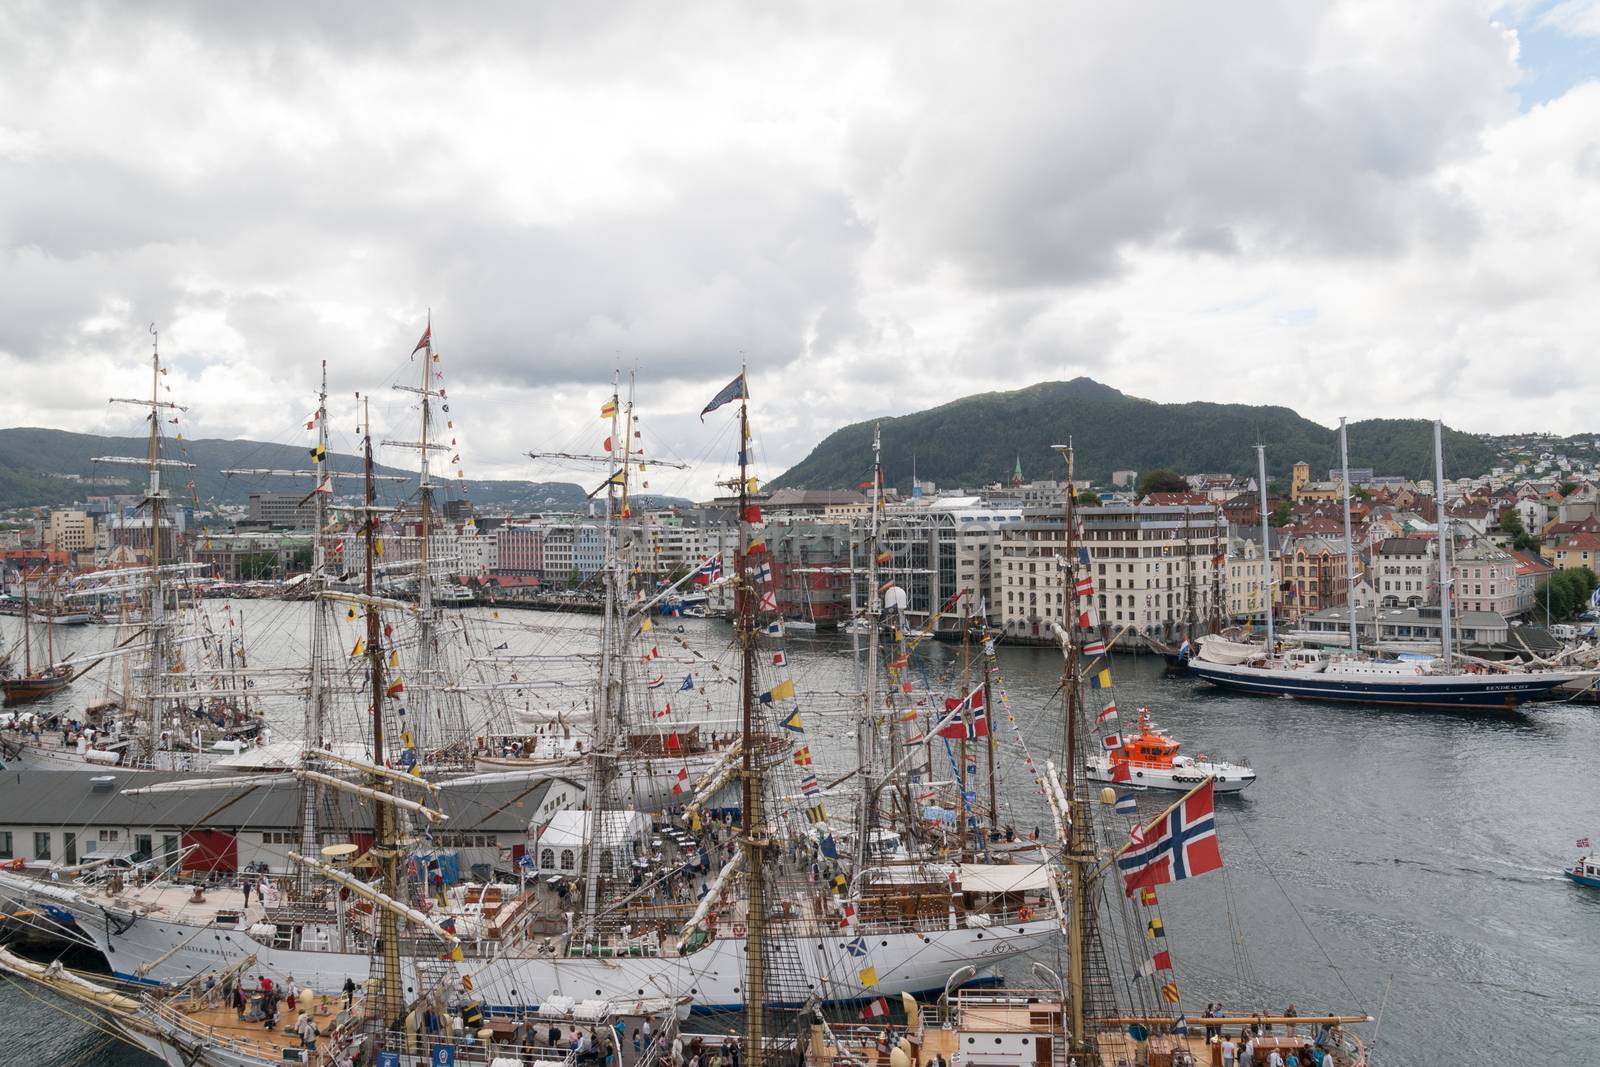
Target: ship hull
[1503, 693]
[1180, 779]
[910, 961]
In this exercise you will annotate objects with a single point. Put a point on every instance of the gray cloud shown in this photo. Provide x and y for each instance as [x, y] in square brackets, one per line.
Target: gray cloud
[877, 207]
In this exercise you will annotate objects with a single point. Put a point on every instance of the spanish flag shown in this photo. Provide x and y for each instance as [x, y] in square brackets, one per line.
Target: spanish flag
[1101, 680]
[608, 409]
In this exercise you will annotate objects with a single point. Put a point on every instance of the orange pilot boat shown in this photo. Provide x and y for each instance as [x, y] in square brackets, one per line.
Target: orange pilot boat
[1150, 760]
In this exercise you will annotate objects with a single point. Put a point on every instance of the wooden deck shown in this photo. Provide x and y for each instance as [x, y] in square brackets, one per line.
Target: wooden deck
[222, 1023]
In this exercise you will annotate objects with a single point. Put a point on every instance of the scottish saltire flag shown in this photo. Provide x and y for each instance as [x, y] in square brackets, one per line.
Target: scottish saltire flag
[1126, 805]
[734, 390]
[856, 947]
[1184, 845]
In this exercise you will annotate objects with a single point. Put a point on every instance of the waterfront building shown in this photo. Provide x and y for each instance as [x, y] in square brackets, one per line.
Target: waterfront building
[1154, 568]
[1483, 578]
[1405, 574]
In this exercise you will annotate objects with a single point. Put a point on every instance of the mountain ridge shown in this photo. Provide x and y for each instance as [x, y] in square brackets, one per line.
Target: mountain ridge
[978, 439]
[40, 466]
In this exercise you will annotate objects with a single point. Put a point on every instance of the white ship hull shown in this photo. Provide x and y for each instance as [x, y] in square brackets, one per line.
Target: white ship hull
[1226, 778]
[912, 961]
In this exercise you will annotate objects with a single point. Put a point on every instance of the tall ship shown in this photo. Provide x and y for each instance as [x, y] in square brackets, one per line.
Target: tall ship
[607, 900]
[1116, 999]
[1448, 682]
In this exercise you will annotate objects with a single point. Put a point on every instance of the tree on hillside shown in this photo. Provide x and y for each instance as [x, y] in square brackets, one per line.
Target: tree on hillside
[1280, 514]
[1511, 525]
[1566, 488]
[1089, 499]
[1162, 480]
[1566, 593]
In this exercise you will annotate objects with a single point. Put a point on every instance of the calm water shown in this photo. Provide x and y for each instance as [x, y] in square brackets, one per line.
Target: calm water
[1406, 864]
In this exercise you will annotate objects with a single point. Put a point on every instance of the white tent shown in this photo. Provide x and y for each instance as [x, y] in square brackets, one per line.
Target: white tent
[621, 836]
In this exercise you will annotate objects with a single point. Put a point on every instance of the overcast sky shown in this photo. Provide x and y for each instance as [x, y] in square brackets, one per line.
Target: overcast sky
[1352, 208]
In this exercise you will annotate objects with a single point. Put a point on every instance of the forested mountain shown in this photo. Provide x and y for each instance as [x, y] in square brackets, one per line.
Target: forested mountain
[54, 467]
[979, 439]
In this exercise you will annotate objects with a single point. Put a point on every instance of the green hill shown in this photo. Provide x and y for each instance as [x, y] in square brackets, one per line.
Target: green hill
[56, 468]
[979, 439]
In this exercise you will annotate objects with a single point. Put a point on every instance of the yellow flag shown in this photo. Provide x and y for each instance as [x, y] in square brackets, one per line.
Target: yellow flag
[351, 614]
[608, 409]
[784, 690]
[394, 658]
[361, 646]
[869, 977]
[377, 547]
[456, 954]
[646, 626]
[694, 822]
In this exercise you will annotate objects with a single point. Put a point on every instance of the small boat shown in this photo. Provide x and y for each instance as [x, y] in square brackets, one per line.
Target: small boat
[1586, 872]
[36, 685]
[1150, 760]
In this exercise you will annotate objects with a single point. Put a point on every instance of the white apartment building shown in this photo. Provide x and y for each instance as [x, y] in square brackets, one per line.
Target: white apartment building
[1246, 581]
[1405, 572]
[1156, 568]
[1484, 578]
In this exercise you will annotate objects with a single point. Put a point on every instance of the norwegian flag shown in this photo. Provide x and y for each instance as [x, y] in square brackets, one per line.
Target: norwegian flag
[682, 783]
[708, 572]
[876, 1009]
[1184, 845]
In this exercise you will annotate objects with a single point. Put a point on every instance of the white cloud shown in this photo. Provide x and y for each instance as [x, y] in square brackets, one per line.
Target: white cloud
[1339, 208]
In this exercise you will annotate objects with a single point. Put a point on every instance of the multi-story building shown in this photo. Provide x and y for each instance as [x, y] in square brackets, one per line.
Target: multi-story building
[282, 511]
[1532, 569]
[1154, 568]
[937, 552]
[1405, 575]
[1246, 580]
[1313, 574]
[70, 531]
[1484, 578]
[517, 550]
[1573, 551]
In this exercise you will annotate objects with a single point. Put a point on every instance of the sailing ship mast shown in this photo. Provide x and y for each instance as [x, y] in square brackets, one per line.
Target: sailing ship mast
[385, 851]
[753, 838]
[608, 709]
[1444, 543]
[1079, 846]
[1266, 541]
[426, 618]
[867, 733]
[156, 618]
[1349, 543]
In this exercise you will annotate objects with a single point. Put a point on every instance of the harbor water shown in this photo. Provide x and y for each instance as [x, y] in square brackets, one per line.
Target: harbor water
[1404, 864]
